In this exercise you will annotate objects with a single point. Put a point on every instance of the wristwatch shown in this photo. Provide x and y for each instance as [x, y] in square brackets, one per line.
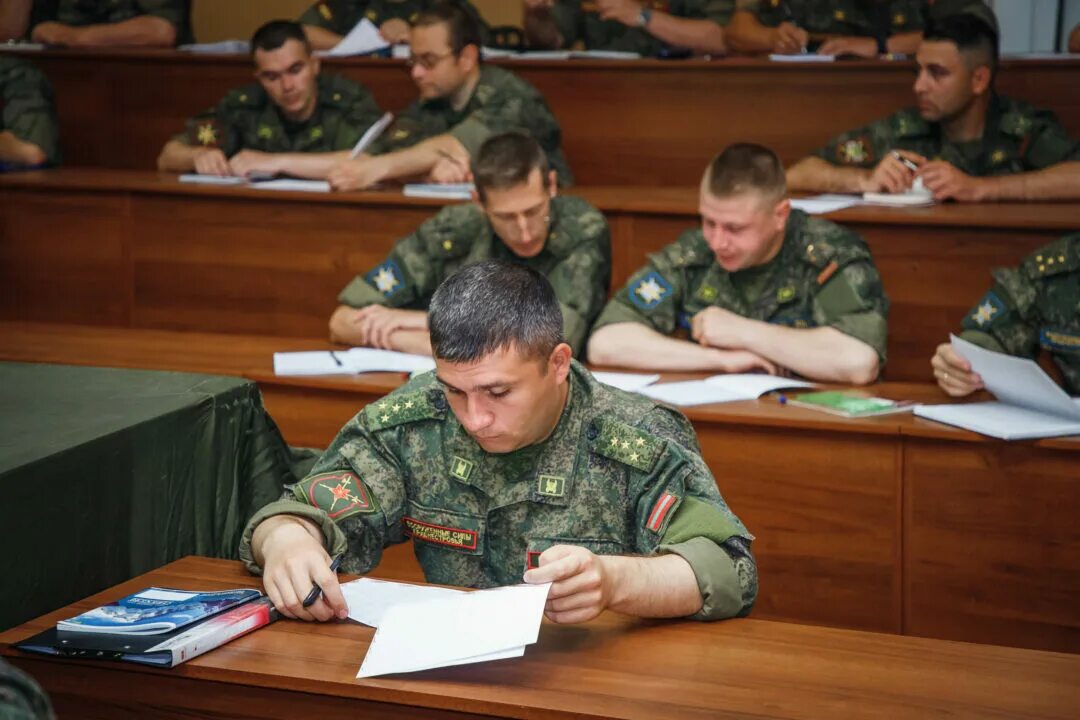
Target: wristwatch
[644, 17]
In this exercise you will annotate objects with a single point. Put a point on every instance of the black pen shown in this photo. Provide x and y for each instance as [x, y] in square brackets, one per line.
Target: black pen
[910, 165]
[336, 359]
[316, 590]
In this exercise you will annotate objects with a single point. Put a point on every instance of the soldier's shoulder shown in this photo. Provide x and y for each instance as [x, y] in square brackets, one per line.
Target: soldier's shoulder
[821, 242]
[905, 123]
[498, 82]
[453, 230]
[421, 399]
[1019, 118]
[245, 98]
[578, 218]
[339, 91]
[689, 250]
[1057, 258]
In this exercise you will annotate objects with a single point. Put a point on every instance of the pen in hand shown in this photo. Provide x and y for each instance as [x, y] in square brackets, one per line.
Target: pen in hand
[316, 591]
[909, 164]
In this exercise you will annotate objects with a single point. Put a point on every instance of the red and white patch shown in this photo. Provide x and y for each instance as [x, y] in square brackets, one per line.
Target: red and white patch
[660, 510]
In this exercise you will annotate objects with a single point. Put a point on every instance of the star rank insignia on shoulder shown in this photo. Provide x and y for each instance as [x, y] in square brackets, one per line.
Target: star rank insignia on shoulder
[386, 278]
[649, 291]
[627, 445]
[402, 407]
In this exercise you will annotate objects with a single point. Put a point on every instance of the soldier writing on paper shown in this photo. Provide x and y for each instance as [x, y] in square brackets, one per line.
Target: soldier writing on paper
[508, 461]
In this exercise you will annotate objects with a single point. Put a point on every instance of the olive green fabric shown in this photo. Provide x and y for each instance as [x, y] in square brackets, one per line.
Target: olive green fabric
[27, 108]
[107, 473]
[576, 24]
[81, 13]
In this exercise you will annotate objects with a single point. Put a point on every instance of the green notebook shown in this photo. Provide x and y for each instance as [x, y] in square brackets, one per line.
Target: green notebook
[850, 404]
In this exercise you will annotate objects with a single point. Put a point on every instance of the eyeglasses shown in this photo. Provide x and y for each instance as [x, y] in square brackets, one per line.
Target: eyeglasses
[427, 61]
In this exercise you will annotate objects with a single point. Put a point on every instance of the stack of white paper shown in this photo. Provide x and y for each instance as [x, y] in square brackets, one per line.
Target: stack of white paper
[198, 179]
[350, 362]
[293, 184]
[821, 204]
[369, 599]
[440, 191]
[631, 382]
[802, 58]
[1029, 404]
[223, 47]
[420, 630]
[720, 388]
[363, 39]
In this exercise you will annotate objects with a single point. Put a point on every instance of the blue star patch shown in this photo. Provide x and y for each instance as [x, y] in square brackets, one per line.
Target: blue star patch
[649, 291]
[386, 278]
[986, 312]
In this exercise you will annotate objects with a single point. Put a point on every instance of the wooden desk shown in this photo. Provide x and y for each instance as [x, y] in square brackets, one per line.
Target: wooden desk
[646, 122]
[892, 524]
[140, 249]
[731, 669]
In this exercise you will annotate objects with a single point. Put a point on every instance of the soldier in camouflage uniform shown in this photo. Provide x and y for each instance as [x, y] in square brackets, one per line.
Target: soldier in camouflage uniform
[437, 135]
[20, 697]
[646, 28]
[28, 132]
[328, 21]
[964, 141]
[512, 459]
[519, 218]
[1033, 306]
[115, 23]
[755, 288]
[295, 121]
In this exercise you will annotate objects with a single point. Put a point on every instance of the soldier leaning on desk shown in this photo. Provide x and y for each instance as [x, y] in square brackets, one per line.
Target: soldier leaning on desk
[758, 286]
[510, 460]
[112, 23]
[965, 141]
[1031, 307]
[28, 132]
[328, 21]
[462, 102]
[292, 122]
[20, 697]
[518, 217]
[646, 28]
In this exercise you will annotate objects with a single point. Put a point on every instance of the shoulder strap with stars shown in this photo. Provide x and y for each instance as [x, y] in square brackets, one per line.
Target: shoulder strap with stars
[828, 247]
[452, 233]
[691, 250]
[399, 408]
[1016, 117]
[626, 444]
[1058, 257]
[249, 96]
[908, 123]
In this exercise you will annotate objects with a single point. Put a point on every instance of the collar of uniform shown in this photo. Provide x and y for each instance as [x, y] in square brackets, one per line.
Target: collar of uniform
[559, 241]
[766, 304]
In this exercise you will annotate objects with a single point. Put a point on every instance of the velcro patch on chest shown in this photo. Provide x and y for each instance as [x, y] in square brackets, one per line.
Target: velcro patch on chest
[340, 494]
[460, 538]
[627, 445]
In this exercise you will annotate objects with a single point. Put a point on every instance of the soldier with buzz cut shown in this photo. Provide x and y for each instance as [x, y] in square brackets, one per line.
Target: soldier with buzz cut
[328, 21]
[962, 140]
[519, 217]
[511, 461]
[758, 286]
[28, 129]
[1033, 307]
[294, 121]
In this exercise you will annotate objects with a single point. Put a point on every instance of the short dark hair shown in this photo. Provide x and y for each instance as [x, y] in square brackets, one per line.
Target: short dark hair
[461, 27]
[492, 305]
[745, 167]
[506, 161]
[274, 34]
[971, 34]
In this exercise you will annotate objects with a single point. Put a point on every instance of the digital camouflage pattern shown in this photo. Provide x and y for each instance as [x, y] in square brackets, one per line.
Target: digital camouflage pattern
[823, 276]
[1017, 138]
[20, 697]
[500, 103]
[842, 17]
[80, 13]
[246, 119]
[1033, 306]
[26, 106]
[341, 16]
[576, 260]
[576, 24]
[619, 475]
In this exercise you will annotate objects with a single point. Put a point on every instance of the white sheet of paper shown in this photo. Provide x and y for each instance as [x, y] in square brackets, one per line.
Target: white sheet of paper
[453, 630]
[749, 386]
[223, 47]
[198, 179]
[604, 55]
[372, 134]
[802, 58]
[293, 184]
[349, 362]
[821, 204]
[369, 599]
[1007, 422]
[904, 199]
[364, 38]
[631, 382]
[441, 191]
[719, 389]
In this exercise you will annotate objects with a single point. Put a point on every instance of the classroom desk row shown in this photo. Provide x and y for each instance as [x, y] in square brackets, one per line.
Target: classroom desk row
[611, 667]
[141, 249]
[645, 122]
[892, 524]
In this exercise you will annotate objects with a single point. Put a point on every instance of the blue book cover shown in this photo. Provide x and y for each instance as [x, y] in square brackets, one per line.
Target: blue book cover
[155, 610]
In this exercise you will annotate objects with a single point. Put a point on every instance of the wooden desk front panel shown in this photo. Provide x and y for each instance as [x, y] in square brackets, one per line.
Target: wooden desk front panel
[992, 543]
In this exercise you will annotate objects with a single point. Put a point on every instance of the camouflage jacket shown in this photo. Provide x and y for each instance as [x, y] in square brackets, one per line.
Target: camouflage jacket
[501, 102]
[100, 12]
[20, 697]
[576, 24]
[822, 276]
[26, 106]
[618, 475]
[341, 16]
[842, 17]
[576, 259]
[246, 119]
[1033, 306]
[1017, 138]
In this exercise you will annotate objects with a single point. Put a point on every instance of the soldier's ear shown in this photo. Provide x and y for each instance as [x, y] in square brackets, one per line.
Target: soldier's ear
[781, 213]
[316, 64]
[559, 361]
[553, 183]
[980, 80]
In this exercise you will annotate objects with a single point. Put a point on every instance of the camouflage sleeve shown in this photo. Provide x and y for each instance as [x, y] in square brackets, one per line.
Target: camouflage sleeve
[581, 281]
[853, 301]
[1049, 144]
[406, 131]
[680, 510]
[212, 128]
[508, 110]
[719, 11]
[1003, 316]
[174, 11]
[337, 16]
[28, 109]
[21, 698]
[862, 147]
[653, 296]
[567, 17]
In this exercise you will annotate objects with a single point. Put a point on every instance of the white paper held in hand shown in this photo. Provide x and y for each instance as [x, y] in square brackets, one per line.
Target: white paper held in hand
[371, 134]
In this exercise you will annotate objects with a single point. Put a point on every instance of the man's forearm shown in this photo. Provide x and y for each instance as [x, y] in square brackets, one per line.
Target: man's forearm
[420, 158]
[177, 157]
[143, 31]
[1058, 182]
[311, 165]
[822, 353]
[655, 587]
[417, 342]
[266, 529]
[812, 174]
[19, 152]
[745, 34]
[904, 43]
[703, 36]
[321, 38]
[633, 345]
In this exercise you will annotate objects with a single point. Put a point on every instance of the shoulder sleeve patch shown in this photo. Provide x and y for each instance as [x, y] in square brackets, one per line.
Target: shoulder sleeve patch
[401, 408]
[386, 278]
[627, 445]
[340, 494]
